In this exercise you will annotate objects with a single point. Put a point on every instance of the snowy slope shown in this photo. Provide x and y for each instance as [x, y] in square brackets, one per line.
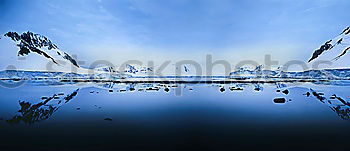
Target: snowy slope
[335, 51]
[29, 42]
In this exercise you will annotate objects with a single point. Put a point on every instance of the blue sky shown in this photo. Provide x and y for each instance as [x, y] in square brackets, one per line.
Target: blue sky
[118, 30]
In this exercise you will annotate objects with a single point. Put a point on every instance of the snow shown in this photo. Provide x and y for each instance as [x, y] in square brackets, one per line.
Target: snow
[332, 56]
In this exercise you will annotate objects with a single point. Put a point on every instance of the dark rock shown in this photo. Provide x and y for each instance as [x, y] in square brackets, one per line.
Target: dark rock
[78, 108]
[166, 89]
[222, 89]
[286, 92]
[323, 48]
[279, 100]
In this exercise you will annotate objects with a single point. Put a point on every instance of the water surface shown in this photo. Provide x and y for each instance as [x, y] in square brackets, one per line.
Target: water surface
[123, 116]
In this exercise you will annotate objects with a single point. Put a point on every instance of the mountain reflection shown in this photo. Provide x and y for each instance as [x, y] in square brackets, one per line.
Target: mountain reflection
[31, 113]
[336, 103]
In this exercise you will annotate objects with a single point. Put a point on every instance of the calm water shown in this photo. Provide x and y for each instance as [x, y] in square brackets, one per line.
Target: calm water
[173, 117]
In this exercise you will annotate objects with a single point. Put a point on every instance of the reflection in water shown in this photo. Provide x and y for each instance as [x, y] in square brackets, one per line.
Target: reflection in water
[258, 87]
[307, 94]
[71, 96]
[108, 119]
[31, 113]
[337, 104]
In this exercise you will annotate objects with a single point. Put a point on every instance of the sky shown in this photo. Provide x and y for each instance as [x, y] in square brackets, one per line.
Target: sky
[160, 30]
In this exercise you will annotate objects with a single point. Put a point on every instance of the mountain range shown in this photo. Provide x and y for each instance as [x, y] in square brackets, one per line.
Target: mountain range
[29, 42]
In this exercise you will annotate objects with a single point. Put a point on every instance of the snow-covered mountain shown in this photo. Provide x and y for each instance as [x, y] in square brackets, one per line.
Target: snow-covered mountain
[334, 50]
[29, 42]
